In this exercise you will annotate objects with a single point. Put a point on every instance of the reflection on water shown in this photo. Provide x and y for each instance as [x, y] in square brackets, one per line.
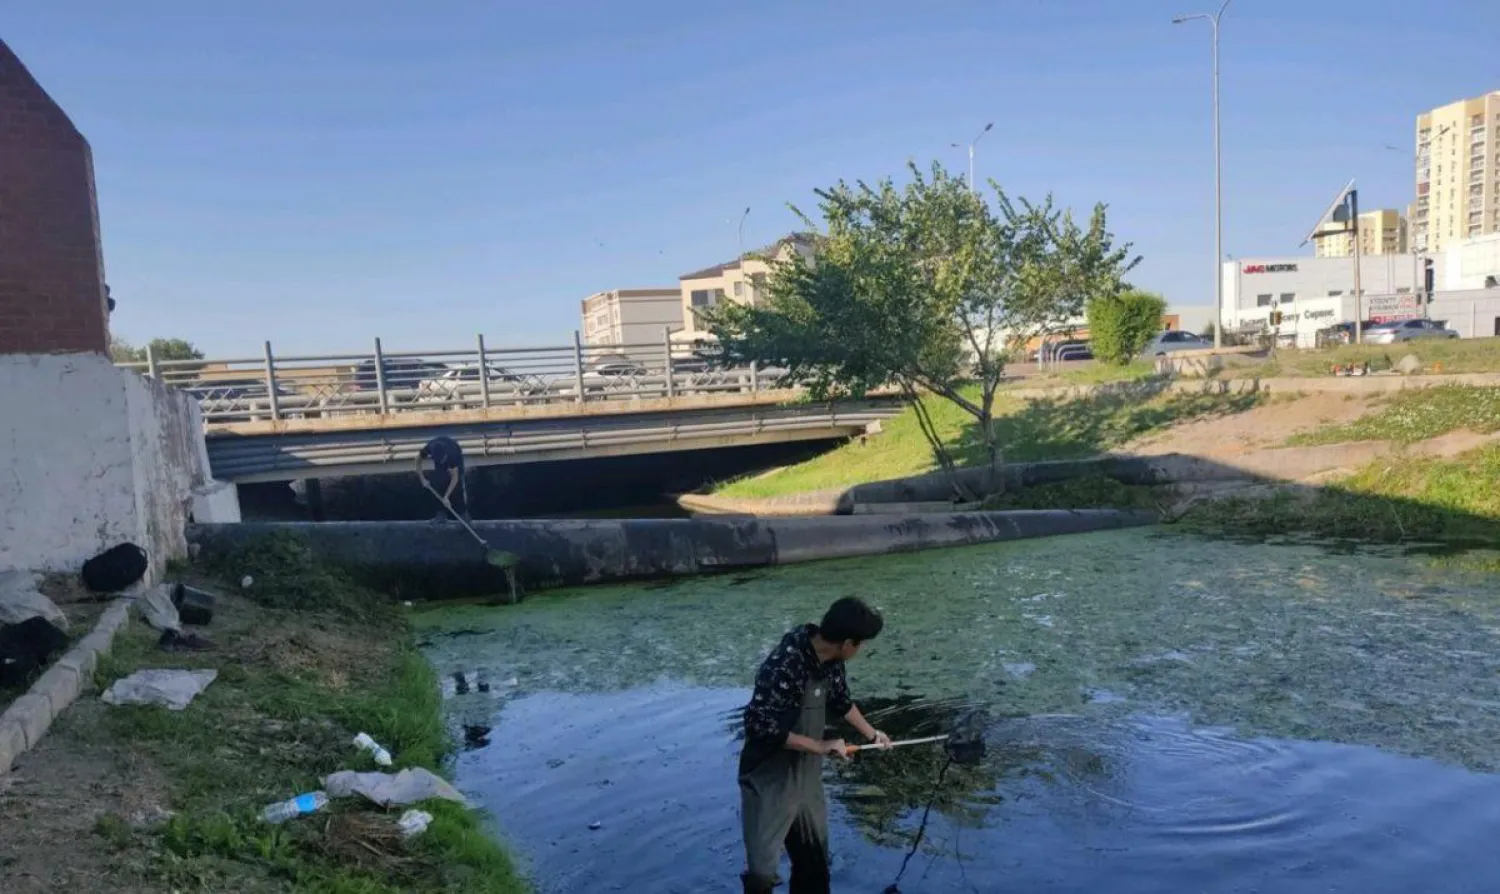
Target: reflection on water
[1165, 714]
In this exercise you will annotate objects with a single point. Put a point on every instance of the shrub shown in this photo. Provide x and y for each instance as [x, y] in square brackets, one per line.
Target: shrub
[1120, 325]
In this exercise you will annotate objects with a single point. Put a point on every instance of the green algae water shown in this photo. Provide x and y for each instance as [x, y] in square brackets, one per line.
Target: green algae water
[1164, 713]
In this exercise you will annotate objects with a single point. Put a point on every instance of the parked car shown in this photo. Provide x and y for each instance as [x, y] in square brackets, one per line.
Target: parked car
[399, 372]
[617, 366]
[1174, 340]
[1407, 330]
[460, 384]
[1339, 334]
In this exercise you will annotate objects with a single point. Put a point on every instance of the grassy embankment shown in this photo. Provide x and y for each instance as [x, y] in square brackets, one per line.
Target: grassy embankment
[302, 668]
[1403, 497]
[1478, 355]
[1030, 430]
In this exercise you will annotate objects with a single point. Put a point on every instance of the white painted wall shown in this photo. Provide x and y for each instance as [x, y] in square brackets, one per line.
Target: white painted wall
[92, 456]
[1469, 265]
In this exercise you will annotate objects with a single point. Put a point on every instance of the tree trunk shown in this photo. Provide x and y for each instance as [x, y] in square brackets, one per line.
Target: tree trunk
[939, 450]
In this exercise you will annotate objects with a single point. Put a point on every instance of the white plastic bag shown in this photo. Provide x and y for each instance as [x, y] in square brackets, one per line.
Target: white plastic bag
[406, 787]
[174, 689]
[20, 599]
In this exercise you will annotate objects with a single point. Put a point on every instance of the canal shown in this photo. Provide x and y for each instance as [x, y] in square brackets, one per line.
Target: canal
[1163, 713]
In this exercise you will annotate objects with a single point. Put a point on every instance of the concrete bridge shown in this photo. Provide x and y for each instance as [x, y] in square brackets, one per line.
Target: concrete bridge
[273, 418]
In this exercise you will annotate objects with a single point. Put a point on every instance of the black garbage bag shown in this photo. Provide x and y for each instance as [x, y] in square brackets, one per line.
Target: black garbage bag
[25, 649]
[115, 569]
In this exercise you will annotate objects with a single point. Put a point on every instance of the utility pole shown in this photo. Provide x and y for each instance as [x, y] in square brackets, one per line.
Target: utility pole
[1359, 296]
[1218, 179]
[973, 187]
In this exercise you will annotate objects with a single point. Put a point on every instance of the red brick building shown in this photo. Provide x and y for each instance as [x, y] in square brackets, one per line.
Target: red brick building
[52, 294]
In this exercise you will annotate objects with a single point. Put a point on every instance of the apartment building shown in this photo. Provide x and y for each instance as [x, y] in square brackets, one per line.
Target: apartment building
[631, 317]
[1458, 173]
[741, 280]
[1382, 232]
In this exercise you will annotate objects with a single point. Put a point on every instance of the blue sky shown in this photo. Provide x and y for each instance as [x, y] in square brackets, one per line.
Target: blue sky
[321, 172]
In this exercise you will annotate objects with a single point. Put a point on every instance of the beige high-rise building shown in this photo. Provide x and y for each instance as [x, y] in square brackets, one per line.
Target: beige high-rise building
[1458, 173]
[1381, 232]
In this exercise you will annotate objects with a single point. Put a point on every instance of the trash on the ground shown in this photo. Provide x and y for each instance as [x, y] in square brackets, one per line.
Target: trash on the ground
[25, 648]
[173, 641]
[157, 610]
[174, 689]
[406, 787]
[247, 582]
[20, 599]
[1408, 365]
[364, 743]
[282, 811]
[595, 826]
[413, 822]
[116, 568]
[195, 607]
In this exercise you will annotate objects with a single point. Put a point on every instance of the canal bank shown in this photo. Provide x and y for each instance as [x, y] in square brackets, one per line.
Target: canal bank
[136, 799]
[423, 560]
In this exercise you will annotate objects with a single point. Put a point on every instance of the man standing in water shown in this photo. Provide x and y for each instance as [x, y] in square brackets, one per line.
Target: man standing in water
[781, 768]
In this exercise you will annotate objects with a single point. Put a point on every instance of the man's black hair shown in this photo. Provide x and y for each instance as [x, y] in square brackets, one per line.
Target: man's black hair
[850, 619]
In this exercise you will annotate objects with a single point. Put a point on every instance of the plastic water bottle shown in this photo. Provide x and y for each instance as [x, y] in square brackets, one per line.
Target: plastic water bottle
[282, 811]
[365, 743]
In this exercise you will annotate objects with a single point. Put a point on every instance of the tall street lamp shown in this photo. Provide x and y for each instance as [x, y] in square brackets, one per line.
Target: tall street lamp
[972, 187]
[1218, 178]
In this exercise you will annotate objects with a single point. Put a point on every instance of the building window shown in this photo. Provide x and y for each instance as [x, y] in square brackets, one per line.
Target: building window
[739, 288]
[1334, 293]
[1287, 298]
[1263, 300]
[1403, 290]
[702, 298]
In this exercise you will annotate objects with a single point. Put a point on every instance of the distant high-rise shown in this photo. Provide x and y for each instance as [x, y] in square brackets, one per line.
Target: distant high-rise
[1458, 173]
[1381, 232]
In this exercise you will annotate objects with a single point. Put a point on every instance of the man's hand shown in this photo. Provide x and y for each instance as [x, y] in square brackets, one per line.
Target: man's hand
[880, 740]
[836, 748]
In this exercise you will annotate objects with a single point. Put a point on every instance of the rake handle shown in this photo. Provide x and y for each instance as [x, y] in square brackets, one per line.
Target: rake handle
[449, 506]
[853, 749]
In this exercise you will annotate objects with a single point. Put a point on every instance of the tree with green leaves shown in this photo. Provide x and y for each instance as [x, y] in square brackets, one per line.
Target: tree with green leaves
[161, 349]
[1120, 325]
[925, 287]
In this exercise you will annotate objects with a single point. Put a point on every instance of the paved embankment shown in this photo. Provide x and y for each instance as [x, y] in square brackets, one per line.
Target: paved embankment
[424, 560]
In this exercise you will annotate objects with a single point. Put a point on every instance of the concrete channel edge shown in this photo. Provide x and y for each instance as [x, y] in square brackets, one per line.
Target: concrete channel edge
[28, 718]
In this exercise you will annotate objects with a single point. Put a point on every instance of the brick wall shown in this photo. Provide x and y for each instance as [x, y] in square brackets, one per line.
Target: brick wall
[51, 267]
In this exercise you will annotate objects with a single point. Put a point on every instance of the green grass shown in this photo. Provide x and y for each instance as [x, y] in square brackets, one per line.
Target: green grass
[1029, 430]
[1474, 355]
[1090, 374]
[1396, 499]
[1417, 415]
[293, 689]
[1087, 492]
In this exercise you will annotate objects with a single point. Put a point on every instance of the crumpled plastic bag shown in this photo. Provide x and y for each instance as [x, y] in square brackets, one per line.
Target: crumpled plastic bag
[173, 689]
[406, 787]
[20, 599]
[157, 609]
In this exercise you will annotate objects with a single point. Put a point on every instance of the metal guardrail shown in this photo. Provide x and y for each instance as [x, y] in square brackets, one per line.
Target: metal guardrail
[361, 451]
[253, 389]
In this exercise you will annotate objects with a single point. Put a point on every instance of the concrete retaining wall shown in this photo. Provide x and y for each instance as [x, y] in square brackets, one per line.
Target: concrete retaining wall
[95, 456]
[427, 560]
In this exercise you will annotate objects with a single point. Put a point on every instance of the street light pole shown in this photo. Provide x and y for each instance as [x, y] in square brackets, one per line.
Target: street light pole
[972, 186]
[1218, 179]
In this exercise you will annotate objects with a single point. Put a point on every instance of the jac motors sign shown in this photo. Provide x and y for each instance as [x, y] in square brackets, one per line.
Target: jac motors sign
[1269, 268]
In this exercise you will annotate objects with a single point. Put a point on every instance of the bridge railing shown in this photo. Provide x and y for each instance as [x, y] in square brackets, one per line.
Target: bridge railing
[249, 389]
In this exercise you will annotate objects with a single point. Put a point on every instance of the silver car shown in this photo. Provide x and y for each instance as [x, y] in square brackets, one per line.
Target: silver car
[1174, 340]
[1407, 330]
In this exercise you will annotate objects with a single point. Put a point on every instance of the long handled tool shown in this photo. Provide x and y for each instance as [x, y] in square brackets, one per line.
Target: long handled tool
[903, 742]
[495, 557]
